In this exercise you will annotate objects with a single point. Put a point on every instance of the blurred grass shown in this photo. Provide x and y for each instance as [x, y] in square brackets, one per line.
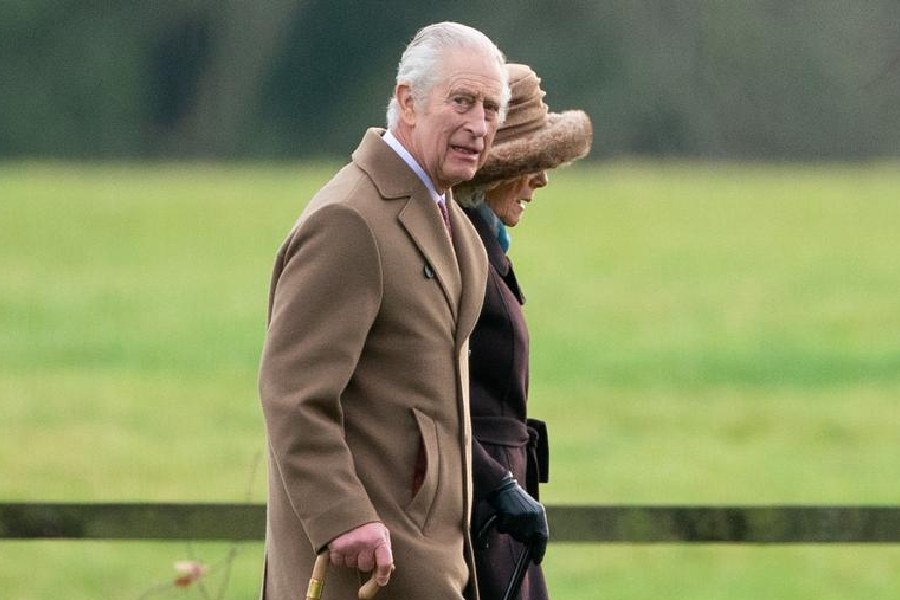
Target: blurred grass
[700, 334]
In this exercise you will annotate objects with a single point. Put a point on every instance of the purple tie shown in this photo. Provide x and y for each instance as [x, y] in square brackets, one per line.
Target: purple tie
[446, 215]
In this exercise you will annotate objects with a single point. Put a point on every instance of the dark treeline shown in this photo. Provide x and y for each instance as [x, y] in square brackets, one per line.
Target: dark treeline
[755, 79]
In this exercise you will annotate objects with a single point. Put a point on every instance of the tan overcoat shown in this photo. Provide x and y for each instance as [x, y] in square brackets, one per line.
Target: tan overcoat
[364, 382]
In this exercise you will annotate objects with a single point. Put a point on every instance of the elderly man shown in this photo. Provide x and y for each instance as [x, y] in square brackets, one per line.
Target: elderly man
[364, 374]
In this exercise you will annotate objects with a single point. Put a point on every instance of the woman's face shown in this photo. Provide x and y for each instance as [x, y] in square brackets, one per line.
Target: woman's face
[508, 199]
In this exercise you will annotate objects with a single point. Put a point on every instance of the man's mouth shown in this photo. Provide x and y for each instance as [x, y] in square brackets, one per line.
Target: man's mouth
[466, 150]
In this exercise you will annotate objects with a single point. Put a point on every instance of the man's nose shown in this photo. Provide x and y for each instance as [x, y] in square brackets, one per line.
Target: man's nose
[477, 123]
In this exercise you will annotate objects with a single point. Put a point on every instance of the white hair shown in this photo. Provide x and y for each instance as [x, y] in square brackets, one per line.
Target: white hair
[420, 65]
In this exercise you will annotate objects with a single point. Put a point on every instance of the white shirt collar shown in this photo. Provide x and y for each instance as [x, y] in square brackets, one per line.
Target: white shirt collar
[394, 143]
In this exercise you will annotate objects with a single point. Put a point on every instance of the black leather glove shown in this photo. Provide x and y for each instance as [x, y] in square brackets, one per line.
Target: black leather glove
[520, 516]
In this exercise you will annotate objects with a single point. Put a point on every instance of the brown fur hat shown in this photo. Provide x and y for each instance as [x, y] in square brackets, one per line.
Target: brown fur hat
[531, 138]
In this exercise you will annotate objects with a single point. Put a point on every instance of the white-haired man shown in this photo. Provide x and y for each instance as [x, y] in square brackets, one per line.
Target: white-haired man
[364, 373]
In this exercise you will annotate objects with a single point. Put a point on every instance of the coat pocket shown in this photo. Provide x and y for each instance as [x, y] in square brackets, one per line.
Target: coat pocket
[419, 508]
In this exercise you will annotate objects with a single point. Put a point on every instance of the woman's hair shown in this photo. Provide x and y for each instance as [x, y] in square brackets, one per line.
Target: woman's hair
[420, 65]
[469, 197]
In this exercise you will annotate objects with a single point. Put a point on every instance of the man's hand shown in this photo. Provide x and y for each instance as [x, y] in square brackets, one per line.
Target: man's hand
[520, 516]
[366, 548]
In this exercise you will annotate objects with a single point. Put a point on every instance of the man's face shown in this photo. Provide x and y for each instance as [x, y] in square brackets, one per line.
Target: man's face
[452, 130]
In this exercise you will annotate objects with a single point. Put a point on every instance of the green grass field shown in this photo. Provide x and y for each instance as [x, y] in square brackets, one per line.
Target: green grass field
[700, 334]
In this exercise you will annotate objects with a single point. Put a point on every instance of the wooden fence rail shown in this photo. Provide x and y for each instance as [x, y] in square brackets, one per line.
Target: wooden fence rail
[752, 524]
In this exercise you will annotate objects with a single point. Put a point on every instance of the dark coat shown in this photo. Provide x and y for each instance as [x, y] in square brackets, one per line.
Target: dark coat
[504, 439]
[364, 382]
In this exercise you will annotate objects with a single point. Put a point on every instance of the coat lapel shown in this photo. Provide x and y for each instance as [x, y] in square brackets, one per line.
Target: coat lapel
[422, 221]
[473, 271]
[419, 216]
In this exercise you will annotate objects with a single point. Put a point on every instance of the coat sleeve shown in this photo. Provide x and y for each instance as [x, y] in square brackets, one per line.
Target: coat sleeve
[487, 473]
[326, 292]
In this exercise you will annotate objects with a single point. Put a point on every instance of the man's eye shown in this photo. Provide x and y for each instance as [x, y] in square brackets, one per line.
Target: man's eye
[462, 100]
[491, 110]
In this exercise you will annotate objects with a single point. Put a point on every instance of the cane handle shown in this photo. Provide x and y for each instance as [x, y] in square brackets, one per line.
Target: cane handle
[369, 588]
[317, 580]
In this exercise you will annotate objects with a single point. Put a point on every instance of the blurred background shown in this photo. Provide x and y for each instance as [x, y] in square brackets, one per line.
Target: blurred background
[802, 80]
[713, 295]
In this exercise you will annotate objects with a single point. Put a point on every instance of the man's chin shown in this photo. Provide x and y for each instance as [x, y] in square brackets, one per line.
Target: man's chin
[462, 175]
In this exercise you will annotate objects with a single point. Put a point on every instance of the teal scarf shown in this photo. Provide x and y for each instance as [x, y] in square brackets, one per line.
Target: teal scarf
[497, 226]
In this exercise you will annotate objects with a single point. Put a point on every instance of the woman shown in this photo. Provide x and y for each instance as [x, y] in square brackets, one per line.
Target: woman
[509, 454]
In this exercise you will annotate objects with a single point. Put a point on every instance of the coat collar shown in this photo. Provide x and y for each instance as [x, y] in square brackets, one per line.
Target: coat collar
[496, 256]
[473, 270]
[391, 176]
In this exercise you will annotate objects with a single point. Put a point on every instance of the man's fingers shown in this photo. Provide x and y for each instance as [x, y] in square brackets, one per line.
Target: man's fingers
[366, 561]
[367, 548]
[384, 564]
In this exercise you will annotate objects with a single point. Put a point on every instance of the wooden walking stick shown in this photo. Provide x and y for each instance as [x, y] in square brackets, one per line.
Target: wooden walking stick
[317, 580]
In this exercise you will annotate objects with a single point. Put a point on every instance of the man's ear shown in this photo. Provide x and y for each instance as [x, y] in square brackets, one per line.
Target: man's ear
[406, 103]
